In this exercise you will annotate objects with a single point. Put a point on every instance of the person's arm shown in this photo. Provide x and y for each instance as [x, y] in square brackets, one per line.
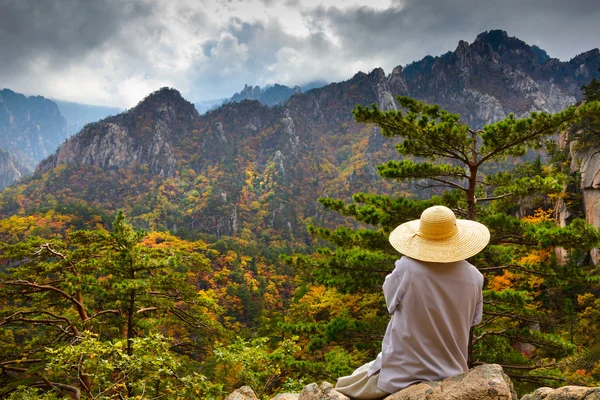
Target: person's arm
[394, 286]
[479, 306]
[478, 310]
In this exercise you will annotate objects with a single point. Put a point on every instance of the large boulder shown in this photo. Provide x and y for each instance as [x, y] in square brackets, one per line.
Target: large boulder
[485, 382]
[243, 393]
[564, 393]
[323, 392]
[286, 396]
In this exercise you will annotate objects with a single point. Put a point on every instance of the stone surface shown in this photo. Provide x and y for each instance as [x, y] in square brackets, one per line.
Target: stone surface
[325, 391]
[243, 393]
[564, 393]
[286, 396]
[485, 382]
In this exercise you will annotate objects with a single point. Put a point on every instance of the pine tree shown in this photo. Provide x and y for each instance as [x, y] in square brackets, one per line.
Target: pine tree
[482, 175]
[92, 292]
[591, 91]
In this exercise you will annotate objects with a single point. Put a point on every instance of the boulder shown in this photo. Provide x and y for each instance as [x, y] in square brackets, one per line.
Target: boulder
[485, 382]
[323, 392]
[243, 393]
[286, 396]
[564, 393]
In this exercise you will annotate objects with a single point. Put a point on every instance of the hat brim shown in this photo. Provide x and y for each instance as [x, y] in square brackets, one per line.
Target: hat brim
[471, 238]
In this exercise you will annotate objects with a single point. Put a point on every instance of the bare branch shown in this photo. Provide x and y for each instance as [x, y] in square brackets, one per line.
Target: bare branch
[494, 197]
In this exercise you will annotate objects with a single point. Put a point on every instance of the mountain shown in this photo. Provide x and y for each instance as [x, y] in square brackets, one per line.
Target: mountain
[251, 170]
[495, 75]
[31, 128]
[270, 95]
[78, 115]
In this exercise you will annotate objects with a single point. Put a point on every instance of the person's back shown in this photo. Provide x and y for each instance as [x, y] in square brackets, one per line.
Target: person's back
[433, 305]
[434, 297]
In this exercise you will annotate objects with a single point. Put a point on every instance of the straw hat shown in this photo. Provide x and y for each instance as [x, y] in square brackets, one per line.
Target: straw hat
[439, 237]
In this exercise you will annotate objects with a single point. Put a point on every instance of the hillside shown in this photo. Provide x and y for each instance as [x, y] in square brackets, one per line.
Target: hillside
[251, 170]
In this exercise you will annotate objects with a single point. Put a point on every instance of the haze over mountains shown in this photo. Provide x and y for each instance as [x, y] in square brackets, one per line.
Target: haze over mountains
[248, 169]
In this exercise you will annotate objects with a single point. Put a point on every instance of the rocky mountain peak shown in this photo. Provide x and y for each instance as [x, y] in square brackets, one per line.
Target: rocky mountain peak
[146, 134]
[162, 100]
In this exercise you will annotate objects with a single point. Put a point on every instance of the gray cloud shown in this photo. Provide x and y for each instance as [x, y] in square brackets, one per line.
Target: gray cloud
[58, 31]
[113, 52]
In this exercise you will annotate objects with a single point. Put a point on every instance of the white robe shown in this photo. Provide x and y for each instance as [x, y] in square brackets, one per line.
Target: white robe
[433, 307]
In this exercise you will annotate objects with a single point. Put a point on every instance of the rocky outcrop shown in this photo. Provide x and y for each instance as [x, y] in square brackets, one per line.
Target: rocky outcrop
[31, 128]
[324, 391]
[243, 393]
[564, 393]
[484, 382]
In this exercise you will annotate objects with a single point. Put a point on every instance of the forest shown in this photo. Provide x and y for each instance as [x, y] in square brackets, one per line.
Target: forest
[94, 307]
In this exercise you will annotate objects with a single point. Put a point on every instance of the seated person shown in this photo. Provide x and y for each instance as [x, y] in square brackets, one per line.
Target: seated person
[434, 297]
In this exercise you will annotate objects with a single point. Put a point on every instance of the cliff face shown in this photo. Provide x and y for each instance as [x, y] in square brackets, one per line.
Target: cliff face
[31, 128]
[11, 169]
[584, 160]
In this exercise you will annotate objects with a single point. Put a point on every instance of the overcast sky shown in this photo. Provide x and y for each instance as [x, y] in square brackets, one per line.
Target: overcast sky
[114, 52]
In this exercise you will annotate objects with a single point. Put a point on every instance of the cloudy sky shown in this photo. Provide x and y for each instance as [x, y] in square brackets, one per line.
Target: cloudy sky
[114, 52]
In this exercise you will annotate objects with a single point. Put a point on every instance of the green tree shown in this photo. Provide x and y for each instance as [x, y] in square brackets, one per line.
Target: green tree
[481, 175]
[591, 91]
[119, 286]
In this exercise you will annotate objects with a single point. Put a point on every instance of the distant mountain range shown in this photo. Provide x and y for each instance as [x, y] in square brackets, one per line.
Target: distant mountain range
[270, 95]
[249, 169]
[78, 115]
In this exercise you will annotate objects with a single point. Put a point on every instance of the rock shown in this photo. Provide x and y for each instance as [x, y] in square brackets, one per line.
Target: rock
[243, 393]
[323, 392]
[286, 396]
[485, 382]
[564, 393]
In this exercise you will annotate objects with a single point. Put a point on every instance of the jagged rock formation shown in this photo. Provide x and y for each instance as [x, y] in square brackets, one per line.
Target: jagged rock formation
[31, 128]
[495, 75]
[246, 167]
[11, 169]
[270, 96]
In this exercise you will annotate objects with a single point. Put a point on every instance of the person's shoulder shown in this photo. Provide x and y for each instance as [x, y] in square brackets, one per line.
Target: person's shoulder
[474, 271]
